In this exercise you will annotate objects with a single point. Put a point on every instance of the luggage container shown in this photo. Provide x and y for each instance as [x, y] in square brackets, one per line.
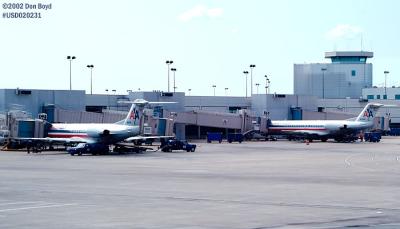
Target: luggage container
[372, 136]
[214, 136]
[233, 137]
[394, 132]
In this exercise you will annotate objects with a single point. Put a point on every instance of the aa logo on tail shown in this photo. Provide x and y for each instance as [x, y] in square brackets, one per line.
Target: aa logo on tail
[368, 113]
[134, 115]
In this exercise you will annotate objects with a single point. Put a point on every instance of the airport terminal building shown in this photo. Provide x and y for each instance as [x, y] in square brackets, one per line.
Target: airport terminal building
[346, 76]
[336, 90]
[194, 115]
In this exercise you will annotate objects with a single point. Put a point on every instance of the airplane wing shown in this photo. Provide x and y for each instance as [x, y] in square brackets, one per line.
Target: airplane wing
[48, 140]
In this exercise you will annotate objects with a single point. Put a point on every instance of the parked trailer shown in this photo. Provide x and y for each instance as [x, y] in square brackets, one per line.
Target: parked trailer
[372, 136]
[394, 132]
[233, 137]
[214, 136]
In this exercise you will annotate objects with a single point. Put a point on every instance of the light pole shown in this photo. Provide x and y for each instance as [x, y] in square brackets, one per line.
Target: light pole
[174, 70]
[214, 86]
[257, 85]
[323, 82]
[266, 95]
[70, 58]
[267, 84]
[168, 62]
[251, 78]
[91, 66]
[189, 90]
[226, 91]
[246, 73]
[386, 73]
[347, 99]
[108, 100]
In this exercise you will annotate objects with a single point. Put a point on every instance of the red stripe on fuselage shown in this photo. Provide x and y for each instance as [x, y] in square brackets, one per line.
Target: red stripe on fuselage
[288, 128]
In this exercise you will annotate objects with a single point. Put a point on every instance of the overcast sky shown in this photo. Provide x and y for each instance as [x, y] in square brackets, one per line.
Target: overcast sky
[211, 42]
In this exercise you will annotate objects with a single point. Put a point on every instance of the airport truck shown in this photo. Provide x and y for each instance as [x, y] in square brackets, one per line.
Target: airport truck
[173, 144]
[86, 148]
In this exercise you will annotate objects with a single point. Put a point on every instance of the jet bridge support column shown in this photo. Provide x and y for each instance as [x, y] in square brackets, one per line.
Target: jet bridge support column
[198, 132]
[180, 131]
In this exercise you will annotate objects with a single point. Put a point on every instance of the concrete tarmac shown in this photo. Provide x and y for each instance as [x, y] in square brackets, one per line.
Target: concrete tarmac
[250, 185]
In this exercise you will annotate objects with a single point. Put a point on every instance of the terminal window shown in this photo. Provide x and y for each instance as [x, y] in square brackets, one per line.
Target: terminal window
[353, 72]
[384, 96]
[378, 96]
[370, 96]
[397, 97]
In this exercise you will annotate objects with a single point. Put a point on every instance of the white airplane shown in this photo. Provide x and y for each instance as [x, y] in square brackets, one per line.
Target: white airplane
[340, 130]
[98, 136]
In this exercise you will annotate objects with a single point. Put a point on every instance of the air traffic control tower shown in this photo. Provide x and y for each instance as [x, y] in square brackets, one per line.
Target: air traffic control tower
[346, 76]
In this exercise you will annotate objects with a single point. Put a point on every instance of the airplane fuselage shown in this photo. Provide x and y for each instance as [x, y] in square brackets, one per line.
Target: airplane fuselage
[105, 133]
[317, 127]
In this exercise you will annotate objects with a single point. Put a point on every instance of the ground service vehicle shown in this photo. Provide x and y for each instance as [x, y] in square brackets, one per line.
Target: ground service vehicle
[372, 136]
[173, 144]
[87, 148]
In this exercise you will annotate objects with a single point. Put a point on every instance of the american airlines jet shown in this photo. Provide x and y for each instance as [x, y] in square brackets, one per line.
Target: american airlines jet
[340, 130]
[98, 134]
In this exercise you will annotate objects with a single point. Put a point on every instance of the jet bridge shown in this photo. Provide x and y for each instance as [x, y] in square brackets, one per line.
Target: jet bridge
[238, 122]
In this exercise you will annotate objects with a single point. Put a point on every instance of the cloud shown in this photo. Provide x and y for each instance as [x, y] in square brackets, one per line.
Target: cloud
[343, 32]
[200, 11]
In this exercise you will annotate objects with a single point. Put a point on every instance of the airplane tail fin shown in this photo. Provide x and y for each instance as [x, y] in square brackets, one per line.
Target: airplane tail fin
[135, 114]
[369, 112]
[132, 118]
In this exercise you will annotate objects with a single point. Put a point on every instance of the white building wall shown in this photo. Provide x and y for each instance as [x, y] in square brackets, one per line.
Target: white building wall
[33, 102]
[337, 79]
[279, 107]
[215, 103]
[393, 93]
